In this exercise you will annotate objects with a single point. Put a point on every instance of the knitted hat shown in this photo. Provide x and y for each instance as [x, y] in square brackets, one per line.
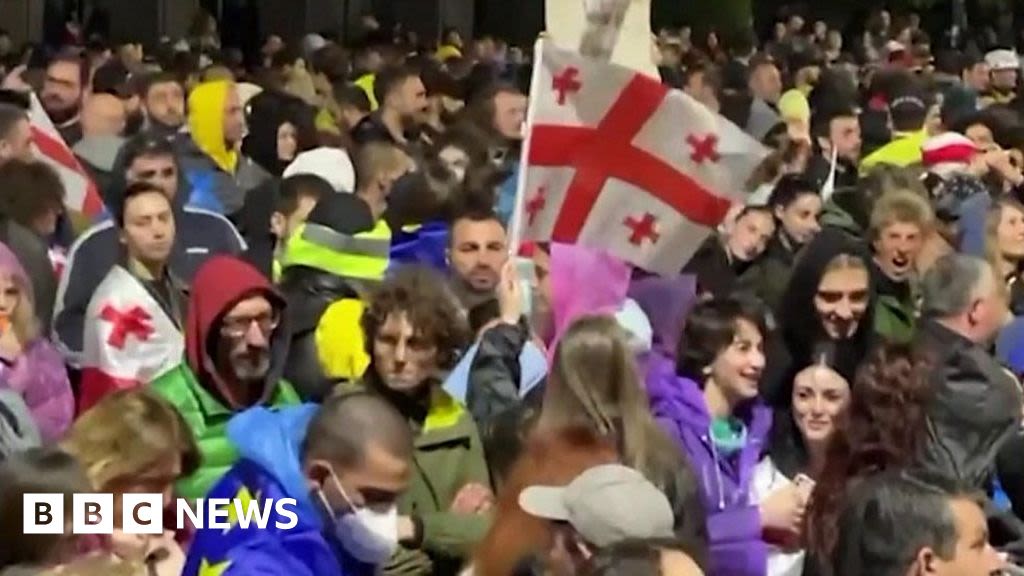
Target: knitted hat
[948, 148]
[331, 164]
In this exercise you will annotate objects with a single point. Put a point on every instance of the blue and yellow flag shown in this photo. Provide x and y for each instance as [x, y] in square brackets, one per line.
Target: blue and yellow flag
[297, 551]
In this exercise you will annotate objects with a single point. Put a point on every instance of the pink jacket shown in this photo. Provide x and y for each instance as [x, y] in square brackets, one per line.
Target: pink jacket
[39, 374]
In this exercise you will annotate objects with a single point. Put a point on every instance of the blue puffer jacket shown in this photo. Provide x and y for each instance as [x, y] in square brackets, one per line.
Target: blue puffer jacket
[269, 443]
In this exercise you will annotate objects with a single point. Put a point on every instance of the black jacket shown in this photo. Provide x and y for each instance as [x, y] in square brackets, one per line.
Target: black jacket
[975, 406]
[265, 114]
[819, 167]
[802, 336]
[716, 272]
[768, 276]
[309, 293]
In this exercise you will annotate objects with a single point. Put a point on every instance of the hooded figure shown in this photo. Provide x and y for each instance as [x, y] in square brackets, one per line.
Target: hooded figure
[198, 387]
[220, 176]
[806, 340]
[733, 519]
[266, 114]
[200, 234]
[37, 372]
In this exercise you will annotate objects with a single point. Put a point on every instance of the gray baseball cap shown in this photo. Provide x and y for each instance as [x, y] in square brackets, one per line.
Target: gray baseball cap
[606, 504]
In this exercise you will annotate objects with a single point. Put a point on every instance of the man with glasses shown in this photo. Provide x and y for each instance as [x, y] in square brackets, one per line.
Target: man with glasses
[235, 351]
[201, 234]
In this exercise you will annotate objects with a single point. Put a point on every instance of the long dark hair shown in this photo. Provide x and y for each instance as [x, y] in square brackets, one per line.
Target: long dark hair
[884, 429]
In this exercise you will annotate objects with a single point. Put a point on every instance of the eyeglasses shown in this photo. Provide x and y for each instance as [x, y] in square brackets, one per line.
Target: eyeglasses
[239, 327]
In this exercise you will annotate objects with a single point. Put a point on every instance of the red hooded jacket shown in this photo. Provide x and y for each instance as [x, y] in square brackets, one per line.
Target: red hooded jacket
[219, 284]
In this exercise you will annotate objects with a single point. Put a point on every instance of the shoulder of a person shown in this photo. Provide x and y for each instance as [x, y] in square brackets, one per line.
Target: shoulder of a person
[203, 218]
[94, 238]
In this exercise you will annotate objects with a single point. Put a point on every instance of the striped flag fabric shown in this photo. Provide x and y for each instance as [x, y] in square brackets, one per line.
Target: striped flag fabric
[81, 196]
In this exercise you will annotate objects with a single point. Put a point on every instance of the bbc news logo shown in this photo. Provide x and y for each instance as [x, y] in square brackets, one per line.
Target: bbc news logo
[144, 514]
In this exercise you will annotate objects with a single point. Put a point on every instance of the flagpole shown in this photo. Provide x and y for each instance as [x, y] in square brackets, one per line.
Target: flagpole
[516, 226]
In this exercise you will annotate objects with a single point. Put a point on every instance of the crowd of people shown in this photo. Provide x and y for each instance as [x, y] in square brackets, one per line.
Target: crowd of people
[302, 285]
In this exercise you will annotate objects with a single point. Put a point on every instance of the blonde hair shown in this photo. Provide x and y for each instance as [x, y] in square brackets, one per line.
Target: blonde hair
[901, 205]
[128, 432]
[595, 383]
[995, 216]
[24, 322]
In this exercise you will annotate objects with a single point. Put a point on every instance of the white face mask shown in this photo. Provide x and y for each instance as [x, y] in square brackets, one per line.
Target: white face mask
[368, 535]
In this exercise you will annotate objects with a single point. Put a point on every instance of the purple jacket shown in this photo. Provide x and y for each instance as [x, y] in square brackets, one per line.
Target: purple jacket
[40, 377]
[734, 523]
[39, 374]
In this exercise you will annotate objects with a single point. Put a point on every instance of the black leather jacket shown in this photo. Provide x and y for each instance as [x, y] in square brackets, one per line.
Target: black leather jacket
[309, 293]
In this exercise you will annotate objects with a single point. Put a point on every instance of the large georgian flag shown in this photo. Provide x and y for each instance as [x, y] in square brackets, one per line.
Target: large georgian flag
[81, 196]
[129, 340]
[617, 161]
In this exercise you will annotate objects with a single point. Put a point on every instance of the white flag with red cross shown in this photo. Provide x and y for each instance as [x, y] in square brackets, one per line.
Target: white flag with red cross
[128, 341]
[81, 196]
[617, 161]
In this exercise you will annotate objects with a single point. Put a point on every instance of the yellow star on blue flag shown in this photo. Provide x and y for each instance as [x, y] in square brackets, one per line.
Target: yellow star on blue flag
[216, 569]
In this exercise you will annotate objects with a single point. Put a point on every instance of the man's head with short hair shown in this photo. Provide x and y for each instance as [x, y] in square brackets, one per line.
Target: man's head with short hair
[32, 194]
[353, 103]
[796, 205]
[900, 222]
[378, 165]
[838, 126]
[400, 91]
[908, 112]
[163, 100]
[765, 80]
[151, 159]
[297, 198]
[37, 470]
[702, 82]
[357, 452]
[103, 115]
[478, 249]
[896, 525]
[962, 293]
[975, 73]
[499, 109]
[145, 222]
[15, 134]
[67, 80]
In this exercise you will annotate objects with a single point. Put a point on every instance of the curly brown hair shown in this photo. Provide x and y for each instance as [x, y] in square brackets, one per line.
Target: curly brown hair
[428, 304]
[883, 430]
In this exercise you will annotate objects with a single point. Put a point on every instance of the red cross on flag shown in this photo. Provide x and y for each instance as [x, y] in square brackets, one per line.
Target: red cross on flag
[129, 340]
[617, 161]
[81, 197]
